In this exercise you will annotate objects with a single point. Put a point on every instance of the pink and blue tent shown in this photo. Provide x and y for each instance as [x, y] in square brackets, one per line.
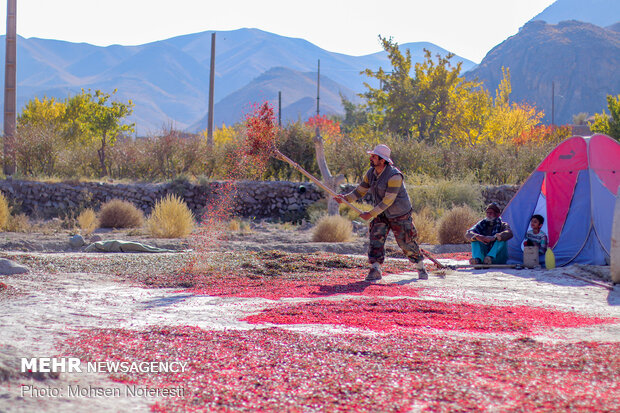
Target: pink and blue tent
[575, 189]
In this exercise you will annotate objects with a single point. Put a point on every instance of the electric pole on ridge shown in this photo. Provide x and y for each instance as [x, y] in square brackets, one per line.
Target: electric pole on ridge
[10, 86]
[211, 85]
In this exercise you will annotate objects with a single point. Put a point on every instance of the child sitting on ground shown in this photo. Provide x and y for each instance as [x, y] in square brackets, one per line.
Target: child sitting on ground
[535, 237]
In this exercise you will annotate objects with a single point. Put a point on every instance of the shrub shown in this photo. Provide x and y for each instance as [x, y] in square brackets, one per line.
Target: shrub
[426, 226]
[78, 160]
[442, 194]
[348, 152]
[454, 223]
[317, 210]
[333, 228]
[37, 149]
[68, 222]
[120, 214]
[5, 212]
[234, 225]
[18, 223]
[87, 220]
[171, 218]
[237, 225]
[49, 227]
[296, 140]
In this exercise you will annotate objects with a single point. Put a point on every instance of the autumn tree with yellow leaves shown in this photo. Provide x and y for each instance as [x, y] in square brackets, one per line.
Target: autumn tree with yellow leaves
[438, 105]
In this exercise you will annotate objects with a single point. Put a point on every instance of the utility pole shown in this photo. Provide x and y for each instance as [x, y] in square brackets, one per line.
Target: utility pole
[10, 70]
[553, 104]
[280, 108]
[318, 87]
[211, 84]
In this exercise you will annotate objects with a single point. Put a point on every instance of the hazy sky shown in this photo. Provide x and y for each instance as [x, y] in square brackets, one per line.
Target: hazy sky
[469, 28]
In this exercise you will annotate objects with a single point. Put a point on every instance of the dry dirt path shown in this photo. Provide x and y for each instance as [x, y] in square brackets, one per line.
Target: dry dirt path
[54, 307]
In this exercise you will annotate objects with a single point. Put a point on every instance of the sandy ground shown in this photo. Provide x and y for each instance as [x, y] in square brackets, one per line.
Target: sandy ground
[55, 306]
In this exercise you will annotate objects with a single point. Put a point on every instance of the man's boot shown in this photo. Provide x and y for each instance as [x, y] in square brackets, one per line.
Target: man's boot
[422, 274]
[375, 272]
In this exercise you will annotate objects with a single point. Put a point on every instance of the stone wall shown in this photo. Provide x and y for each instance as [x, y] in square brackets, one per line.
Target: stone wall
[259, 199]
[501, 195]
[282, 199]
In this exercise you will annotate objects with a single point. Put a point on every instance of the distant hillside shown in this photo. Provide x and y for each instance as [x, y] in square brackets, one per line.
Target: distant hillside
[168, 80]
[298, 97]
[582, 59]
[599, 12]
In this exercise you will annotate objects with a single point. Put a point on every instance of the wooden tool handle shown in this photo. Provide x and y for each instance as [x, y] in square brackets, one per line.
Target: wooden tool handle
[600, 284]
[282, 157]
[430, 257]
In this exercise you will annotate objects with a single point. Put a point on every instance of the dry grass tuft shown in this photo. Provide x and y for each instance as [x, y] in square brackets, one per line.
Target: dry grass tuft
[171, 218]
[5, 212]
[87, 220]
[120, 214]
[333, 228]
[454, 223]
[234, 225]
[53, 226]
[426, 226]
[18, 223]
[285, 226]
[237, 225]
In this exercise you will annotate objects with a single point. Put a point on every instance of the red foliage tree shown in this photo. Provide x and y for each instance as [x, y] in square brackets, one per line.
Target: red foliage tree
[327, 127]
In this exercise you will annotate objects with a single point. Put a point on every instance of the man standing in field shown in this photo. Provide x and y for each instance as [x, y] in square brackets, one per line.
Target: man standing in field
[392, 211]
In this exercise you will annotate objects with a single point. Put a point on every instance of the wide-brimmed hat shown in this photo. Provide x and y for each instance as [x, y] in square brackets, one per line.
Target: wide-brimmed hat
[382, 151]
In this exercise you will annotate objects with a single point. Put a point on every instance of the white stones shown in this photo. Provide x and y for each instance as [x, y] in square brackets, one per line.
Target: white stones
[77, 241]
[8, 267]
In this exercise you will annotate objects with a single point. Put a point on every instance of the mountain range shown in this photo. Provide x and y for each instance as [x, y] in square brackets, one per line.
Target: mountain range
[168, 80]
[598, 12]
[298, 91]
[562, 69]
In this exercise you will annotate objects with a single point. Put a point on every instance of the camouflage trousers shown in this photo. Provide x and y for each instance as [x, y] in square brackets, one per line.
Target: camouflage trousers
[404, 232]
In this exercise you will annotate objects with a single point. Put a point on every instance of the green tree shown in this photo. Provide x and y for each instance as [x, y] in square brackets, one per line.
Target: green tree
[74, 120]
[468, 117]
[86, 118]
[609, 124]
[415, 106]
[354, 115]
[436, 85]
[96, 118]
[508, 121]
[475, 118]
[391, 104]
